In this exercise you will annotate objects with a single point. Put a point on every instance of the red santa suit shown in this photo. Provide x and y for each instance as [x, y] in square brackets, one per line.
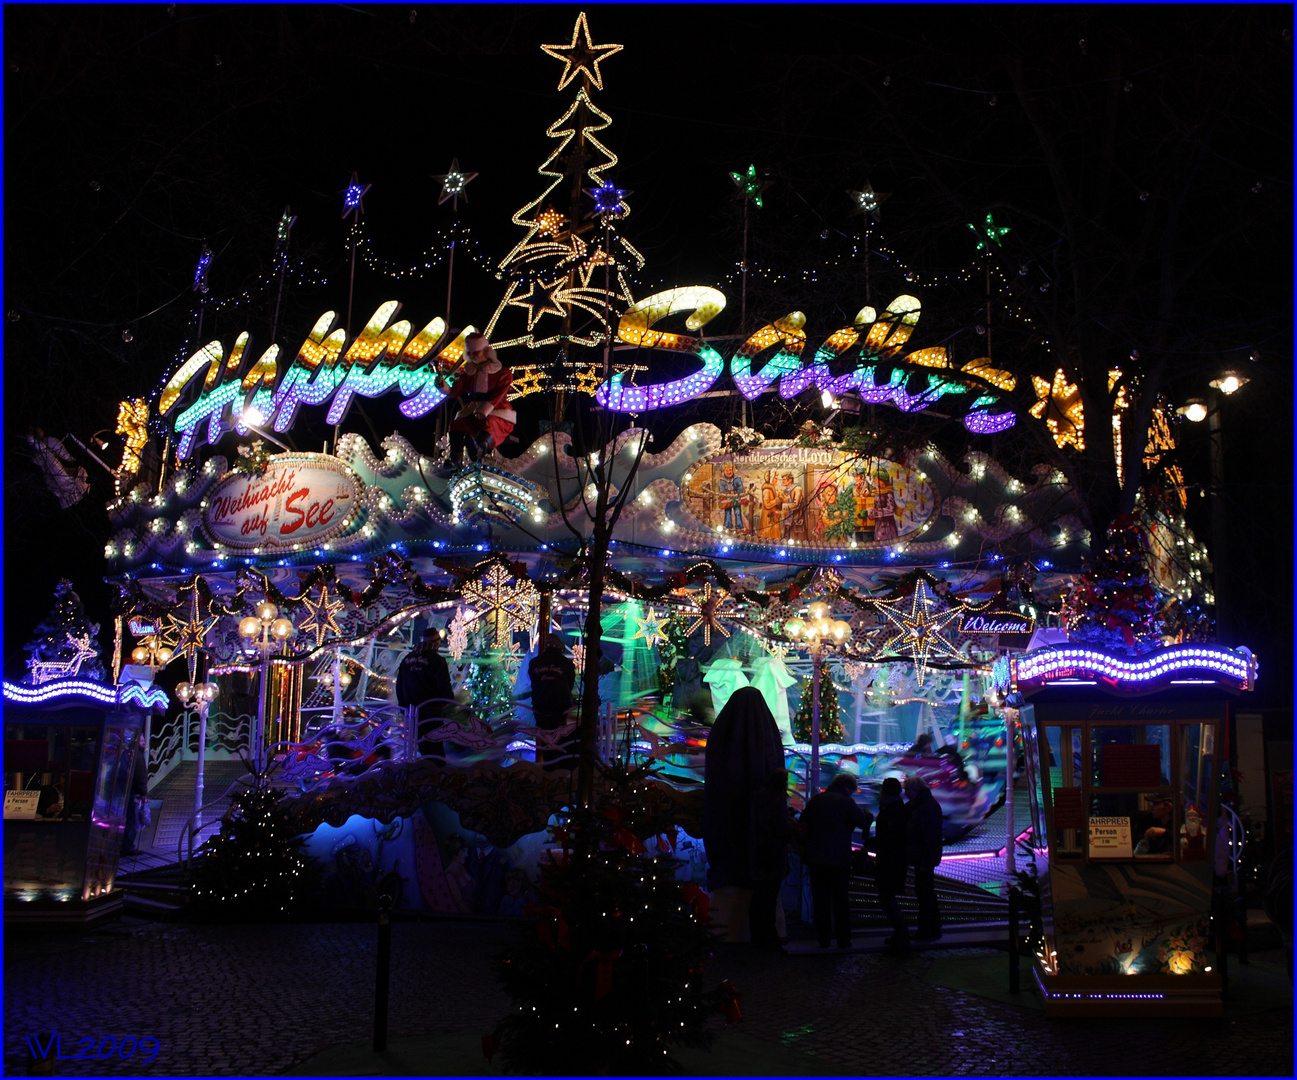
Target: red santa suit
[489, 382]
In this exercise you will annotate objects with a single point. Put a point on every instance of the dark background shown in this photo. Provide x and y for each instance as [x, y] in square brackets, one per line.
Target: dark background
[134, 135]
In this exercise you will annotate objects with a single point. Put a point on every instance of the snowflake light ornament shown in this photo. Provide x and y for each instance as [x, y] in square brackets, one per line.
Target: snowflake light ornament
[502, 604]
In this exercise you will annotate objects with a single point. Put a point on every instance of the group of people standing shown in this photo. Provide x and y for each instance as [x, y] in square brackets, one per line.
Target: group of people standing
[749, 828]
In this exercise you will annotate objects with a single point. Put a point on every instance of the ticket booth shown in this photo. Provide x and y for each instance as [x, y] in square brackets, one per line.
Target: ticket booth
[69, 752]
[1123, 759]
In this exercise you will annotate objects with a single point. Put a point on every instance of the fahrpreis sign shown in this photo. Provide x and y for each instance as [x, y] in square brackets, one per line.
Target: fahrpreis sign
[302, 499]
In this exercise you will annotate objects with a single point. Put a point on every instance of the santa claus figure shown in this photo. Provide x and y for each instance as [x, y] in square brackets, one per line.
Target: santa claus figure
[1193, 837]
[482, 386]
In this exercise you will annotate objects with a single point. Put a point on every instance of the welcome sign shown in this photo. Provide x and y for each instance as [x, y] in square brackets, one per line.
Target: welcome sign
[300, 500]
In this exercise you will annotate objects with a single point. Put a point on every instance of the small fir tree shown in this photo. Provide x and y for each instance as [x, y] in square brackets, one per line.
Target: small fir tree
[50, 640]
[490, 689]
[830, 725]
[1114, 606]
[255, 867]
[611, 975]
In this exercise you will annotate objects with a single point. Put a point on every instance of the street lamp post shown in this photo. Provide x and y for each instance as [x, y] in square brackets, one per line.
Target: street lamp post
[1195, 411]
[201, 694]
[817, 630]
[258, 629]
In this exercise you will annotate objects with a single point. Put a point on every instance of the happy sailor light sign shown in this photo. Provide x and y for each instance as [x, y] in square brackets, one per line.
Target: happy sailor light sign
[236, 392]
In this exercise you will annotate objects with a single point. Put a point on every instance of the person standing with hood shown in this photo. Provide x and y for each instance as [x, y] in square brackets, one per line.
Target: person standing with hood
[423, 680]
[923, 836]
[771, 829]
[828, 822]
[891, 861]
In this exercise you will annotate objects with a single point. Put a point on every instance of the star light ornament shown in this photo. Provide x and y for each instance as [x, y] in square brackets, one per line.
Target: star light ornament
[989, 233]
[1061, 408]
[286, 223]
[352, 198]
[502, 604]
[187, 637]
[921, 618]
[708, 603]
[652, 629]
[609, 201]
[750, 185]
[582, 57]
[322, 612]
[867, 202]
[200, 271]
[453, 183]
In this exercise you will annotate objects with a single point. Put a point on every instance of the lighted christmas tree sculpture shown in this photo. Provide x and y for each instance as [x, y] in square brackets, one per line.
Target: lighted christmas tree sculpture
[1114, 606]
[63, 645]
[610, 976]
[255, 867]
[830, 725]
[552, 270]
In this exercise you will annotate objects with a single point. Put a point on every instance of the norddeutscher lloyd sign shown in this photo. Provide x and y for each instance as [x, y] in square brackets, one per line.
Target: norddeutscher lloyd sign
[997, 622]
[300, 500]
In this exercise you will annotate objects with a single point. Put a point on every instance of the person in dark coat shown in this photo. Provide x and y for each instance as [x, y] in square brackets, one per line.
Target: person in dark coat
[743, 748]
[138, 800]
[828, 822]
[770, 831]
[423, 680]
[552, 675]
[923, 840]
[891, 861]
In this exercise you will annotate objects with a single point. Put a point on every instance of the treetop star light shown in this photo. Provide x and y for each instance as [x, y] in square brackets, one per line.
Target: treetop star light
[582, 57]
[990, 233]
[1062, 409]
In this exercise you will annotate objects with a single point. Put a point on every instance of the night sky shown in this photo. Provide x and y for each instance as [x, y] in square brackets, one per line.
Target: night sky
[134, 135]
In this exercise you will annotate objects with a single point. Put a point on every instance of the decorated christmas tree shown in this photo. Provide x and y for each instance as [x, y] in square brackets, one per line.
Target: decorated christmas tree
[63, 645]
[490, 688]
[254, 868]
[1114, 606]
[611, 975]
[830, 725]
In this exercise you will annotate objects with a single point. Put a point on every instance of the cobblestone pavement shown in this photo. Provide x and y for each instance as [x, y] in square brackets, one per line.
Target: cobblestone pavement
[259, 1000]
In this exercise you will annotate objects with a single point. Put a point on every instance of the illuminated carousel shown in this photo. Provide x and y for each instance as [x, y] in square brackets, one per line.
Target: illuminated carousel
[873, 594]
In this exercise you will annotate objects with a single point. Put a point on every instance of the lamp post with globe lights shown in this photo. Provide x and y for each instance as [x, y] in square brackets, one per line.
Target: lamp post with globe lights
[265, 631]
[1196, 410]
[201, 695]
[818, 630]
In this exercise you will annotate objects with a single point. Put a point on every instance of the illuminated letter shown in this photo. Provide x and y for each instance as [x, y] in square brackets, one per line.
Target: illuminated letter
[786, 332]
[635, 328]
[211, 354]
[212, 403]
[377, 341]
[318, 354]
[423, 379]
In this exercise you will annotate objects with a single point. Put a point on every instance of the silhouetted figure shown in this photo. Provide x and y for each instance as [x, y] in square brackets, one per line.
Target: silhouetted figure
[923, 835]
[423, 680]
[828, 822]
[891, 863]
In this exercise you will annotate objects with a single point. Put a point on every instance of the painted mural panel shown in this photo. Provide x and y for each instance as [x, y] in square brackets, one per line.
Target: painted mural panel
[780, 493]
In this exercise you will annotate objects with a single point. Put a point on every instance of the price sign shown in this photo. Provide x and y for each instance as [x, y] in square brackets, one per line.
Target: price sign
[21, 805]
[1110, 838]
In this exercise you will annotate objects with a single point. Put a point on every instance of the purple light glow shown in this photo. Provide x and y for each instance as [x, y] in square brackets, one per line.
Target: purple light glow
[1059, 664]
[124, 694]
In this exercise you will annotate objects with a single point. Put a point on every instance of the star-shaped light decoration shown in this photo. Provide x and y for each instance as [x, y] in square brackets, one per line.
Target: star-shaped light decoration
[588, 380]
[457, 634]
[453, 182]
[921, 618]
[322, 612]
[1061, 408]
[501, 604]
[652, 629]
[285, 226]
[352, 197]
[200, 271]
[541, 299]
[549, 222]
[709, 603]
[867, 201]
[187, 636]
[750, 185]
[609, 200]
[582, 57]
[527, 380]
[988, 234]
